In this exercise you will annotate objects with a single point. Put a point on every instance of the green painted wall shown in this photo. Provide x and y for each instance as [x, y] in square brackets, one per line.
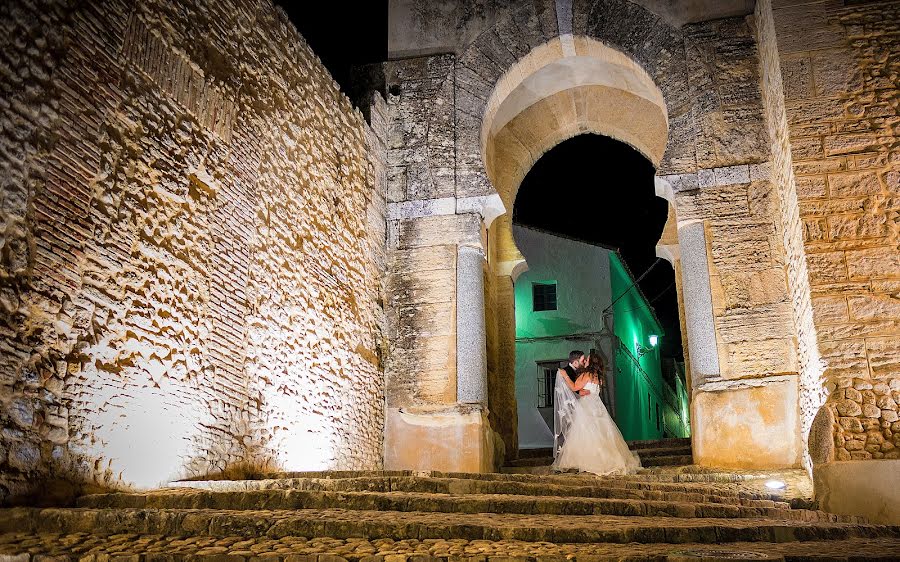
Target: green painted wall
[637, 393]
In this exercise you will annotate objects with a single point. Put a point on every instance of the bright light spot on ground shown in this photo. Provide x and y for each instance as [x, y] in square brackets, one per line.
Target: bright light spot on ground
[776, 485]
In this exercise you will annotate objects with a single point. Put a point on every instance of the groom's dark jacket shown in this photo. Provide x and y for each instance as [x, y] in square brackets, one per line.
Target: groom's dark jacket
[573, 375]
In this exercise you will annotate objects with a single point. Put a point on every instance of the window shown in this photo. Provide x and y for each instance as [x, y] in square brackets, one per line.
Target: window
[544, 296]
[546, 380]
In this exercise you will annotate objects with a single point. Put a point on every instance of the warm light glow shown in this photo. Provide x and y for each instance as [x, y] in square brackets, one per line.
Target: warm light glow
[654, 339]
[776, 485]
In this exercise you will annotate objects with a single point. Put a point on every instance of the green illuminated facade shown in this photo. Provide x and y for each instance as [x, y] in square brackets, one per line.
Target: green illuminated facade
[577, 295]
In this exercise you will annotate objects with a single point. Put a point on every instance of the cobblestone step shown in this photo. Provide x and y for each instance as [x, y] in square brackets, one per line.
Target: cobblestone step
[444, 503]
[527, 486]
[85, 547]
[345, 524]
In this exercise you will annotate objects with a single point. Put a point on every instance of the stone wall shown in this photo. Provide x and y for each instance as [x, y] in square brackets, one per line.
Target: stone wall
[840, 63]
[812, 394]
[192, 247]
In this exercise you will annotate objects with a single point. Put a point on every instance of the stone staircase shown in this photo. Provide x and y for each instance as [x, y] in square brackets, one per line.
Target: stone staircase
[662, 452]
[446, 517]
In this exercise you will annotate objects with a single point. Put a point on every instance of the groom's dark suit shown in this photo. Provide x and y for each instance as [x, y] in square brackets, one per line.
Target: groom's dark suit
[573, 374]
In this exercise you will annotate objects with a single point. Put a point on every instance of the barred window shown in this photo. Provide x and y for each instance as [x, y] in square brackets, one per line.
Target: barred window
[546, 375]
[544, 296]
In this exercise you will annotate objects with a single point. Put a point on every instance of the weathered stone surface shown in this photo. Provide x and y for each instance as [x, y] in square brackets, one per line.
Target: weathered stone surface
[193, 261]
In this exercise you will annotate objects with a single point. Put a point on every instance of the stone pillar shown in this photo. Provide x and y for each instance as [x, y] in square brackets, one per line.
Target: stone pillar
[698, 307]
[436, 389]
[471, 348]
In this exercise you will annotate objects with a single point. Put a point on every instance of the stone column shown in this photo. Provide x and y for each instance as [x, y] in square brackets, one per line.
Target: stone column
[471, 348]
[698, 306]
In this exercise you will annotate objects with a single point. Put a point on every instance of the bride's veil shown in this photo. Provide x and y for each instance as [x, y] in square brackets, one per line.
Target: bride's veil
[564, 402]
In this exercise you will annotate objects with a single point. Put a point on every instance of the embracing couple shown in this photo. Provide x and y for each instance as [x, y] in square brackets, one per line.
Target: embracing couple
[586, 437]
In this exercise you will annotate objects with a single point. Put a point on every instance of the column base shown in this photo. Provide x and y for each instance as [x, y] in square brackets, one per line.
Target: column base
[453, 438]
[750, 424]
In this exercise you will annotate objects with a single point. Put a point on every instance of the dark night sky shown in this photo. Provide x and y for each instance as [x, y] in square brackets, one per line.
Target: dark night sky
[601, 190]
[343, 34]
[589, 187]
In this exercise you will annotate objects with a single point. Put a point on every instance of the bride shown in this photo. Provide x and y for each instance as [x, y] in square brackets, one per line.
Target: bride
[592, 442]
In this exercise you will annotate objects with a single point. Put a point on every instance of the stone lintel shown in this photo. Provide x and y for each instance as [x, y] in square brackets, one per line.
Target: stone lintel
[716, 384]
[488, 206]
[437, 230]
[714, 177]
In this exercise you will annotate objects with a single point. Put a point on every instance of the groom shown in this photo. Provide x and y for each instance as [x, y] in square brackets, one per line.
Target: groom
[577, 361]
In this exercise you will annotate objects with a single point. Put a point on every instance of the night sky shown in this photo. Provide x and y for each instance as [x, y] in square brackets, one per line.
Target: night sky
[589, 187]
[601, 190]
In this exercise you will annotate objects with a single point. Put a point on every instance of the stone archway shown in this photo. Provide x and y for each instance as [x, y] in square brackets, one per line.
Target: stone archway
[462, 143]
[558, 91]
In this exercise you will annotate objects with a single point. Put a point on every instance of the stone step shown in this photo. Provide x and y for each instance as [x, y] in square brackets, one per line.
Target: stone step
[530, 461]
[518, 485]
[664, 451]
[667, 460]
[345, 524]
[659, 443]
[539, 452]
[441, 503]
[660, 482]
[80, 547]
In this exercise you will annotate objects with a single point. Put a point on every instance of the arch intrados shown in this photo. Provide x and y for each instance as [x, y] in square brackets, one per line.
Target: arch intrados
[552, 68]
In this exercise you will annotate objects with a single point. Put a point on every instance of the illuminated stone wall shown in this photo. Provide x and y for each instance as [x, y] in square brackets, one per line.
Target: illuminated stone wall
[839, 65]
[192, 247]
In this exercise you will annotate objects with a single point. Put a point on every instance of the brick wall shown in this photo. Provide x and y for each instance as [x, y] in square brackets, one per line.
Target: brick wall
[192, 254]
[839, 64]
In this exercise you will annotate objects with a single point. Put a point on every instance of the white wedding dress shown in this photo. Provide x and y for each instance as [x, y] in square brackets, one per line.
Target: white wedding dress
[591, 441]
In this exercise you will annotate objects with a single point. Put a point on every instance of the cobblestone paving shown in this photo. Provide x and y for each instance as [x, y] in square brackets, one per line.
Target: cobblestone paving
[134, 547]
[406, 517]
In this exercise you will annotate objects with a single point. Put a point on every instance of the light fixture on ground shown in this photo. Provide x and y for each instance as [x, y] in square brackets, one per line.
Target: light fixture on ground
[776, 485]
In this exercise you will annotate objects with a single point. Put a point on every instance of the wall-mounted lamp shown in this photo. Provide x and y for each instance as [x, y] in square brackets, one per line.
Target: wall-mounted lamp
[641, 350]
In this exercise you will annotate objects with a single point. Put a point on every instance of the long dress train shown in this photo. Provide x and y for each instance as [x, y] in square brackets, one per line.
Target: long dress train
[592, 441]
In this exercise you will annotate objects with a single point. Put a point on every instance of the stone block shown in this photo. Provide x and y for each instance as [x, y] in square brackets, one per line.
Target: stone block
[853, 227]
[853, 184]
[830, 309]
[796, 75]
[884, 356]
[874, 262]
[878, 307]
[836, 73]
[811, 187]
[826, 267]
[753, 427]
[453, 439]
[866, 488]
